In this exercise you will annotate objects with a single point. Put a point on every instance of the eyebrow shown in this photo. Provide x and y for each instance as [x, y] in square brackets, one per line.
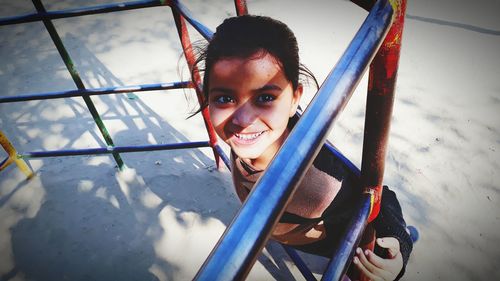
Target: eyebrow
[222, 90]
[268, 87]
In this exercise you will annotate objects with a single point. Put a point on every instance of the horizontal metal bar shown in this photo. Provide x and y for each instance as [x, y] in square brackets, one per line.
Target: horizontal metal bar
[243, 240]
[184, 11]
[117, 149]
[344, 253]
[99, 9]
[98, 91]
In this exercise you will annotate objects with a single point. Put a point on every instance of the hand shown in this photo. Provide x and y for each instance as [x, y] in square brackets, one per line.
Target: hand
[377, 268]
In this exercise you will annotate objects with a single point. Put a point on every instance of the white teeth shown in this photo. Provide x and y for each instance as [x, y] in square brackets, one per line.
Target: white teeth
[248, 136]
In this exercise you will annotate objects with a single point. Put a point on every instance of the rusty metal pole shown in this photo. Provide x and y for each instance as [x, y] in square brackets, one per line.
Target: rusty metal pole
[381, 86]
[190, 58]
[380, 100]
[241, 7]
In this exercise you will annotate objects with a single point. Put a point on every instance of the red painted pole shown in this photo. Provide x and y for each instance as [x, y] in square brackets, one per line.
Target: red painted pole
[381, 89]
[190, 58]
[241, 7]
[380, 100]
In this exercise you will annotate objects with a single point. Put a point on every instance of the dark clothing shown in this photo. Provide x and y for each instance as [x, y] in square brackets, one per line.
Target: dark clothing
[302, 222]
[336, 217]
[331, 176]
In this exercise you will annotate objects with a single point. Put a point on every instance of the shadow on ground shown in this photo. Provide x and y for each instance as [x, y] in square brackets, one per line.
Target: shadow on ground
[80, 219]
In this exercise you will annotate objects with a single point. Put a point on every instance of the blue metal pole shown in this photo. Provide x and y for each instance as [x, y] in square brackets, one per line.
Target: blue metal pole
[184, 11]
[97, 91]
[351, 167]
[299, 263]
[50, 15]
[344, 253]
[223, 156]
[115, 149]
[237, 250]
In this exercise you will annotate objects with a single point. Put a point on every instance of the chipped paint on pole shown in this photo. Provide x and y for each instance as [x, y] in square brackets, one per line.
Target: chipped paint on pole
[381, 88]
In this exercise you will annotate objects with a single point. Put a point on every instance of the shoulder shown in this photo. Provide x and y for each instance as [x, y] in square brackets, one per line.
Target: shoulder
[326, 162]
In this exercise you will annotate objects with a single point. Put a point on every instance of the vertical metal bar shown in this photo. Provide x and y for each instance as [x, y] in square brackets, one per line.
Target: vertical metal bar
[78, 81]
[338, 265]
[380, 100]
[241, 7]
[189, 55]
[13, 157]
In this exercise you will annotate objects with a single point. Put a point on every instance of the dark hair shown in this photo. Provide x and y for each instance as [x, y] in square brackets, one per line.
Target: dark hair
[245, 36]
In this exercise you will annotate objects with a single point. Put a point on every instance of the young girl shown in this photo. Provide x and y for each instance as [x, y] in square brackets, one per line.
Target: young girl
[252, 89]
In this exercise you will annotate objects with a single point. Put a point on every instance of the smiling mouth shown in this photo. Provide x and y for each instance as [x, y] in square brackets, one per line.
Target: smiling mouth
[248, 137]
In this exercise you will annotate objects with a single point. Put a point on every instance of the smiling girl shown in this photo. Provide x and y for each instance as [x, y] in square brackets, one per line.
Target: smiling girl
[252, 90]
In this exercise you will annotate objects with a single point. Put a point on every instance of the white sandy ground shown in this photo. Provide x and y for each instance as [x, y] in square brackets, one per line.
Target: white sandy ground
[81, 219]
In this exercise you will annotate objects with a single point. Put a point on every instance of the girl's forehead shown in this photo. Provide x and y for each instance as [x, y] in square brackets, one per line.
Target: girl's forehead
[255, 65]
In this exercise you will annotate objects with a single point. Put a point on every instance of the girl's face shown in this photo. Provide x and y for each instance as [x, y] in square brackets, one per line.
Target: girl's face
[250, 101]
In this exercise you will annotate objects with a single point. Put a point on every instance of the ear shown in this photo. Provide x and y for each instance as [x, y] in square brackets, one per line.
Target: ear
[297, 94]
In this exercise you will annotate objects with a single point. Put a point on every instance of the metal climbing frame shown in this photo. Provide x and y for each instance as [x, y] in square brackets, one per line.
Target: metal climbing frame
[181, 14]
[377, 42]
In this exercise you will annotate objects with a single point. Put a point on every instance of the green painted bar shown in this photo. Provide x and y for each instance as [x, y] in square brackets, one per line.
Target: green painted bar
[78, 81]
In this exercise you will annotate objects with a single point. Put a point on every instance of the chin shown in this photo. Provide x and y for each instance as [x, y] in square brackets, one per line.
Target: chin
[243, 155]
[246, 154]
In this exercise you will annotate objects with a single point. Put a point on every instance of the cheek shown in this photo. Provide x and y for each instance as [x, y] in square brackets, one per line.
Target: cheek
[219, 118]
[277, 118]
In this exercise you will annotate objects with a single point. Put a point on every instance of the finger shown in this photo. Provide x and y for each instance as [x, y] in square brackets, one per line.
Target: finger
[385, 267]
[375, 259]
[367, 264]
[391, 244]
[363, 269]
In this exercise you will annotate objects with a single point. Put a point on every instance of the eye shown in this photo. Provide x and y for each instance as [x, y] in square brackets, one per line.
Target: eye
[265, 98]
[223, 99]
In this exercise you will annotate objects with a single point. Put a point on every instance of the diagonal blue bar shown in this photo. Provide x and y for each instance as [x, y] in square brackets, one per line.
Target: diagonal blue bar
[301, 265]
[183, 10]
[223, 156]
[237, 250]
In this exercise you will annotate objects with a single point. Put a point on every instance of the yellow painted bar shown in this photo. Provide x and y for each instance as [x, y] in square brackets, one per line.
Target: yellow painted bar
[13, 157]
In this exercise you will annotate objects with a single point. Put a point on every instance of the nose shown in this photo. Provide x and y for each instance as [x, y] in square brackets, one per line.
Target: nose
[244, 116]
